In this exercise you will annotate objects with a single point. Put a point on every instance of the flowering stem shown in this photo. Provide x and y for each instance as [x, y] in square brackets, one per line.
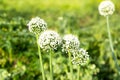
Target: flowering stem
[40, 58]
[111, 45]
[109, 35]
[51, 69]
[78, 67]
[71, 67]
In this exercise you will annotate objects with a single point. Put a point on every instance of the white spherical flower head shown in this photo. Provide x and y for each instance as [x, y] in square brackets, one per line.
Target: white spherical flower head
[106, 8]
[80, 57]
[70, 43]
[37, 25]
[49, 40]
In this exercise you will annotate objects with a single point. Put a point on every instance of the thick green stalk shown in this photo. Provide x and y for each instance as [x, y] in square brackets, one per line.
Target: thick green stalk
[51, 69]
[78, 69]
[40, 58]
[71, 67]
[111, 45]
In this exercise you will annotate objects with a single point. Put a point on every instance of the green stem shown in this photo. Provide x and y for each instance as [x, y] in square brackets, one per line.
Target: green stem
[51, 69]
[10, 54]
[71, 67]
[10, 51]
[40, 58]
[109, 35]
[111, 45]
[78, 67]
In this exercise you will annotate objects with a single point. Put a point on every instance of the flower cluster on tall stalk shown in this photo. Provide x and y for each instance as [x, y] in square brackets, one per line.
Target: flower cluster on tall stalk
[49, 40]
[107, 8]
[77, 56]
[37, 25]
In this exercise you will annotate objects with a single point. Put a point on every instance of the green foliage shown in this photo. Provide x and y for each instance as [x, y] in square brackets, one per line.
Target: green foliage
[18, 49]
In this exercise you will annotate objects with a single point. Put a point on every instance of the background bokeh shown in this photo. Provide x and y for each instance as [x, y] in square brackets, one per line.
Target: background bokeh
[18, 49]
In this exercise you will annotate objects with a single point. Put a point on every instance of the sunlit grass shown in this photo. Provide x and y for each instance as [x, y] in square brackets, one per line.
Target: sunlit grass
[41, 4]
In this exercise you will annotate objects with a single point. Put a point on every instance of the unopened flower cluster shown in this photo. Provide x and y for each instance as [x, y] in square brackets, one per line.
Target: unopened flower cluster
[106, 8]
[49, 40]
[70, 43]
[80, 57]
[37, 25]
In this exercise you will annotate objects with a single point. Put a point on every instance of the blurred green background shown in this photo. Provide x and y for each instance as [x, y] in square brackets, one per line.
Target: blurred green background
[18, 49]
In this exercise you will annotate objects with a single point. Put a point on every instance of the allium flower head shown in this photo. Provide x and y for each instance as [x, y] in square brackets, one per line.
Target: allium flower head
[37, 25]
[80, 57]
[106, 8]
[70, 43]
[49, 40]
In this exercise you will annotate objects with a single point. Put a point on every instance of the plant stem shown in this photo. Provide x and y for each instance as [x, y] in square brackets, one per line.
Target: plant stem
[71, 67]
[51, 69]
[10, 54]
[40, 58]
[109, 35]
[9, 47]
[111, 45]
[78, 67]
